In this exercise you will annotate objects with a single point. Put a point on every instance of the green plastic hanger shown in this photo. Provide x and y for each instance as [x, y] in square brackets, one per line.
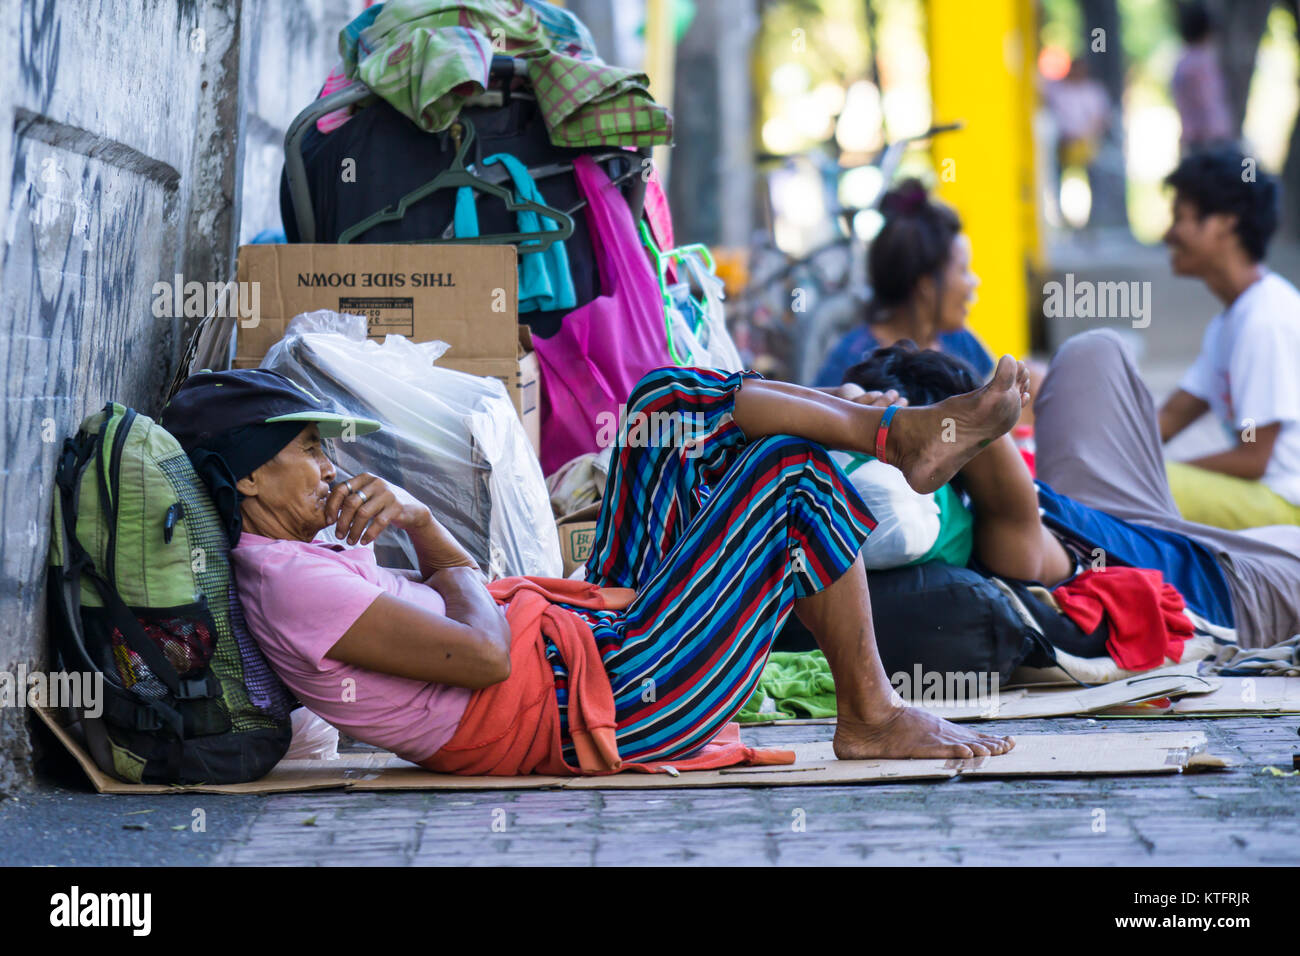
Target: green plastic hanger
[455, 176]
[661, 260]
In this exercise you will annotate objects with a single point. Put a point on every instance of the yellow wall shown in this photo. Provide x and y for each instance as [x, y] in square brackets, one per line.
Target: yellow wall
[981, 69]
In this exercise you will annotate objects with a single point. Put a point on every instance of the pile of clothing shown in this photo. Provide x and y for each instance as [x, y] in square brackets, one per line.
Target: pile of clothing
[606, 305]
[427, 58]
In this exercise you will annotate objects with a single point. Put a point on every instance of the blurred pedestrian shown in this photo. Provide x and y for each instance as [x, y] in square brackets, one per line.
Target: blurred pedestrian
[1225, 212]
[1081, 108]
[1197, 86]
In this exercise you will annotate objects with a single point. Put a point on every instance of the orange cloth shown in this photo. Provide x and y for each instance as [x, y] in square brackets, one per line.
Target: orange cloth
[513, 728]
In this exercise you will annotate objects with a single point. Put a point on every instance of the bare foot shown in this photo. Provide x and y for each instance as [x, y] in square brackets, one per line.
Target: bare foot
[929, 444]
[914, 733]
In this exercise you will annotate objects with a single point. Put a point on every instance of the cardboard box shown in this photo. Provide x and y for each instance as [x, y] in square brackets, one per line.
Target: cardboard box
[527, 392]
[577, 536]
[464, 295]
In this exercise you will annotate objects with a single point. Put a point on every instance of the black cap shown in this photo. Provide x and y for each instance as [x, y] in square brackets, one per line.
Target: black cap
[230, 423]
[210, 404]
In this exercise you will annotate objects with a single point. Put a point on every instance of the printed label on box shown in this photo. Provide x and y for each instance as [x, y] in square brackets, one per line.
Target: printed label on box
[580, 543]
[384, 315]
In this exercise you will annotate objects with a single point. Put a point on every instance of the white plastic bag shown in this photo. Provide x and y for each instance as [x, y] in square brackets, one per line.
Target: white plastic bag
[313, 738]
[451, 440]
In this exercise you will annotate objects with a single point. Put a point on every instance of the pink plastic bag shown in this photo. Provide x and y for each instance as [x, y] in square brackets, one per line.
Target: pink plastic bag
[604, 347]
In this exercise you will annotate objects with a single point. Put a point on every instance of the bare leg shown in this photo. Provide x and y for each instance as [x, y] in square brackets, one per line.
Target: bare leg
[928, 444]
[1009, 535]
[873, 721]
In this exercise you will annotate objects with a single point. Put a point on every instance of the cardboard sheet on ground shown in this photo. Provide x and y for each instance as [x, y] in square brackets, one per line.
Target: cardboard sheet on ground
[1232, 697]
[1028, 702]
[1037, 677]
[1034, 755]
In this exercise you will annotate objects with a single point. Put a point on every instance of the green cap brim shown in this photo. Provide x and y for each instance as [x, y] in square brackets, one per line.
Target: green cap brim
[331, 425]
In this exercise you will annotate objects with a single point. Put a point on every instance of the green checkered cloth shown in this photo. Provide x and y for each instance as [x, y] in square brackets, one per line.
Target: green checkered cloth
[426, 57]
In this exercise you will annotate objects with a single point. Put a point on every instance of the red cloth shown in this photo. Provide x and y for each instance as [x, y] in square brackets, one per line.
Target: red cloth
[1147, 623]
[513, 728]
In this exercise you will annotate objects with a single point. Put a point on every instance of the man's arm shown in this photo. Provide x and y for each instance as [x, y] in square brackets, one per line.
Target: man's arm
[1247, 459]
[1180, 410]
[468, 647]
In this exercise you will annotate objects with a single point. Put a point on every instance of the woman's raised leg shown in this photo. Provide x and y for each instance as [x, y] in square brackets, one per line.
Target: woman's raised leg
[781, 530]
[872, 720]
[928, 444]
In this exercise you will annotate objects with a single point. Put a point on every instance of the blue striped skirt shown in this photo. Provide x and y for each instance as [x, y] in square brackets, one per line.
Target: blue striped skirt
[718, 535]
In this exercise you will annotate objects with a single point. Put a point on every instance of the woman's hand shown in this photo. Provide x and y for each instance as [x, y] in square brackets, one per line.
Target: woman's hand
[856, 393]
[880, 399]
[365, 505]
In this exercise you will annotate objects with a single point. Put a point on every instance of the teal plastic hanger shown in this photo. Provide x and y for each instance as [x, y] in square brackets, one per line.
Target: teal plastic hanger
[661, 260]
[456, 176]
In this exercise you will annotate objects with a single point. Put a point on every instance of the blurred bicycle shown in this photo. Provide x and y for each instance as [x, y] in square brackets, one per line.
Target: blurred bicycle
[796, 306]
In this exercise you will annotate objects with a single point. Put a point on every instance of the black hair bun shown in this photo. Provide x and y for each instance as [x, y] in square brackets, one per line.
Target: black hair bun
[908, 198]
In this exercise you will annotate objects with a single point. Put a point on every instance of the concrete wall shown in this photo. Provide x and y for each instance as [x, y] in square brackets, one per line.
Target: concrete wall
[276, 87]
[123, 126]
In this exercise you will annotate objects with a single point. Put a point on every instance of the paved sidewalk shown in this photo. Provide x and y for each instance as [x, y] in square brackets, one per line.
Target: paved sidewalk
[1238, 817]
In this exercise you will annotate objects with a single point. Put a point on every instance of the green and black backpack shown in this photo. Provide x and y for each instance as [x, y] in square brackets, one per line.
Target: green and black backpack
[142, 593]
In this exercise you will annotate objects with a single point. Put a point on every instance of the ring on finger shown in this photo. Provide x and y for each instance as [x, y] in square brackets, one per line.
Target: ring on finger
[362, 495]
[348, 486]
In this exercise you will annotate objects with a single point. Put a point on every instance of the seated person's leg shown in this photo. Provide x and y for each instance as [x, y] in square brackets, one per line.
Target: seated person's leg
[1095, 434]
[780, 531]
[652, 492]
[1224, 501]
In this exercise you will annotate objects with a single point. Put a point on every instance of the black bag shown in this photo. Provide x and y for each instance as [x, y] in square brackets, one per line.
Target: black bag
[393, 156]
[944, 619]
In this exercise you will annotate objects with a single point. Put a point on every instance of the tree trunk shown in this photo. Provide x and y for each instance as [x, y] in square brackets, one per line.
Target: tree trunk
[1291, 167]
[1104, 55]
[1240, 26]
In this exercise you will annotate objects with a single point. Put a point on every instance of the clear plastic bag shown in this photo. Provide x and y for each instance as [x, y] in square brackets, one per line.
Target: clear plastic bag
[451, 440]
[701, 333]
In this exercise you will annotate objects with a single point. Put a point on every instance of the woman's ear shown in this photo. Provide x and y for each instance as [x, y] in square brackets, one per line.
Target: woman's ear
[247, 486]
[925, 290]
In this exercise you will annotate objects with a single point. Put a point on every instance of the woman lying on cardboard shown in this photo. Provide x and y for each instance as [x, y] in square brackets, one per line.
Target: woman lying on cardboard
[1102, 490]
[701, 552]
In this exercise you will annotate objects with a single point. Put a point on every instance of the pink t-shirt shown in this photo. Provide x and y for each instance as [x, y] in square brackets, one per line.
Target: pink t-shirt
[300, 598]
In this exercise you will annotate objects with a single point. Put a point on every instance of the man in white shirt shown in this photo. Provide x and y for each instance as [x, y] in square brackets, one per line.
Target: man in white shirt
[1248, 370]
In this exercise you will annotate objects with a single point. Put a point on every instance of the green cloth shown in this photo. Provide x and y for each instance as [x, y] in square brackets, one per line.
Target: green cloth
[794, 684]
[956, 531]
[426, 57]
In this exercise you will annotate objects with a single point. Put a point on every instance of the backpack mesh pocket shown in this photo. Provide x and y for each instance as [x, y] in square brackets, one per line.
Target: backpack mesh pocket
[185, 636]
